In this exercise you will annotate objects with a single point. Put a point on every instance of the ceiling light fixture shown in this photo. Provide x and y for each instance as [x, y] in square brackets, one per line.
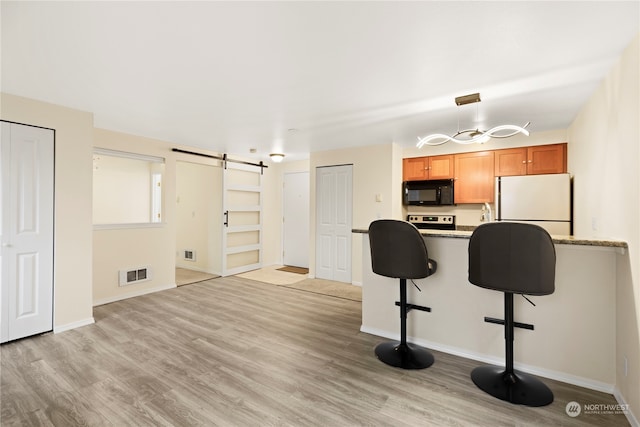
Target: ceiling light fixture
[472, 136]
[276, 157]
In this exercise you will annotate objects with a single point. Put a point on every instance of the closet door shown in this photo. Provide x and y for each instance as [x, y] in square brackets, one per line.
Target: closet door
[334, 203]
[26, 231]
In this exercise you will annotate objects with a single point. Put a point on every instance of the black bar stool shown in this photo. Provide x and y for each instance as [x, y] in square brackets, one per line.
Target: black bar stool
[399, 251]
[514, 258]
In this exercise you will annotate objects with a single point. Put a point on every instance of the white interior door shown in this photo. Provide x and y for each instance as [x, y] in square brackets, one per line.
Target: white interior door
[26, 291]
[333, 222]
[295, 224]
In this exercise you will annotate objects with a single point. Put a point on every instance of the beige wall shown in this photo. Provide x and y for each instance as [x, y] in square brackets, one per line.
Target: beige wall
[125, 248]
[121, 190]
[155, 246]
[605, 158]
[73, 177]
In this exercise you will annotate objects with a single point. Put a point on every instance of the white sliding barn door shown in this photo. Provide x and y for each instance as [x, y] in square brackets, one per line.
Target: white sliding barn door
[26, 290]
[242, 218]
[333, 222]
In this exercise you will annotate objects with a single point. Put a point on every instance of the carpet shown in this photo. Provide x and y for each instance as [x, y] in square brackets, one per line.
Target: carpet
[297, 270]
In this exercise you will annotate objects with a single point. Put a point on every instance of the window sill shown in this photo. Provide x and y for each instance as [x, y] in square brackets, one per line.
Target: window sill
[128, 226]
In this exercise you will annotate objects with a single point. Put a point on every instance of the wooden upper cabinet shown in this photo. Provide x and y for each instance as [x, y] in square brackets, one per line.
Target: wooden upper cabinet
[433, 167]
[512, 161]
[474, 177]
[543, 159]
[441, 167]
[415, 168]
[536, 160]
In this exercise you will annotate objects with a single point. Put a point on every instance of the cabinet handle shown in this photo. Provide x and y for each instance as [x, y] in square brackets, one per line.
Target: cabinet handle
[524, 161]
[530, 161]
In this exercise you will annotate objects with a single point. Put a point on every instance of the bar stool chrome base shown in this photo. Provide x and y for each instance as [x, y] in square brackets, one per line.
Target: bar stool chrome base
[405, 356]
[515, 387]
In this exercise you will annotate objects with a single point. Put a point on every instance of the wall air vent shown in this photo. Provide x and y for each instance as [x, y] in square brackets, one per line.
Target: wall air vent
[134, 275]
[189, 255]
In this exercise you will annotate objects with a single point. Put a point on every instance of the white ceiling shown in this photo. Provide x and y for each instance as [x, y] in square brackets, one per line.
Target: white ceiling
[230, 76]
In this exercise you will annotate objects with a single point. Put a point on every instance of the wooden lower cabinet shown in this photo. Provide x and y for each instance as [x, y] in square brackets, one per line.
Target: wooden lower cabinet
[474, 177]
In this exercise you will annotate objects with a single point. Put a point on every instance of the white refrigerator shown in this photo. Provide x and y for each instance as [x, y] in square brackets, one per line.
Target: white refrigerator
[544, 200]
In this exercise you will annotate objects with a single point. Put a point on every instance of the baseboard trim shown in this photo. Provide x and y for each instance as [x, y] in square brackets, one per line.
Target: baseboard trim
[534, 370]
[128, 295]
[73, 325]
[633, 421]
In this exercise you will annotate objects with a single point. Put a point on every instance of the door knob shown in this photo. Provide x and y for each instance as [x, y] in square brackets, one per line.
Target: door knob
[6, 245]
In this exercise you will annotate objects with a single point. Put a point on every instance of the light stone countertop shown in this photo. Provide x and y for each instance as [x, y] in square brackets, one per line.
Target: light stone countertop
[559, 240]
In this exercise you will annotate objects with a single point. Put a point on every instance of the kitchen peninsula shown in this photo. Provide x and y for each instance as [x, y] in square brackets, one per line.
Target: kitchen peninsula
[574, 336]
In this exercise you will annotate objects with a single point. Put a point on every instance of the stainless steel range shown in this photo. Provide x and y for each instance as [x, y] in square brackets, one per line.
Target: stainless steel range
[432, 222]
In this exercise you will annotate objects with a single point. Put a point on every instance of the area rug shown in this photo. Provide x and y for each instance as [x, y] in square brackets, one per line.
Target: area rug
[297, 270]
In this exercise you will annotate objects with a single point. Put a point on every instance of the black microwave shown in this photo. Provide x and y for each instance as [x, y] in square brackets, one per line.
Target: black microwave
[428, 193]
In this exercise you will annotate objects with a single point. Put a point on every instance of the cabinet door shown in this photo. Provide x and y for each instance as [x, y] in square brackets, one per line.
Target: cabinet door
[441, 167]
[511, 162]
[474, 177]
[545, 159]
[415, 169]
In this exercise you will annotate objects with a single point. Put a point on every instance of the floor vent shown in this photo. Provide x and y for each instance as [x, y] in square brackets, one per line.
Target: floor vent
[135, 275]
[189, 255]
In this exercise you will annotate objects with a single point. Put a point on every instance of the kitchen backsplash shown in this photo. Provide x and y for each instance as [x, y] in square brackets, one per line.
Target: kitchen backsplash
[466, 214]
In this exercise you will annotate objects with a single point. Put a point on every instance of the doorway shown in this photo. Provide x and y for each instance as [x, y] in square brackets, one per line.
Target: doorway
[26, 230]
[334, 222]
[198, 219]
[295, 227]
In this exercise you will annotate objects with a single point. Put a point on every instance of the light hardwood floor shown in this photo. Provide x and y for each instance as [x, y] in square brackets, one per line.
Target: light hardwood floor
[235, 352]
